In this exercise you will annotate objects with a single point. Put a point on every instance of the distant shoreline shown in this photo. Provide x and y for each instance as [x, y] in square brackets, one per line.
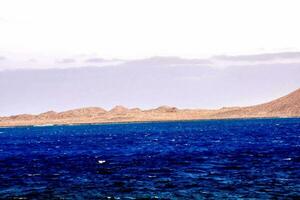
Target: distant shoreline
[145, 122]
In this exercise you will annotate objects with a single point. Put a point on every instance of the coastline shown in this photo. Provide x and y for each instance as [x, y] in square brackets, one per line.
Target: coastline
[284, 107]
[142, 122]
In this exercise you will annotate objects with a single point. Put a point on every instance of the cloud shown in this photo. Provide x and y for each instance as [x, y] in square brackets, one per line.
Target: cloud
[15, 61]
[260, 57]
[95, 60]
[169, 61]
[32, 60]
[2, 19]
[66, 61]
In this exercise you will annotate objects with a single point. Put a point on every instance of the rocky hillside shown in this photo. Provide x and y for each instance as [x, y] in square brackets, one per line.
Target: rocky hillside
[287, 106]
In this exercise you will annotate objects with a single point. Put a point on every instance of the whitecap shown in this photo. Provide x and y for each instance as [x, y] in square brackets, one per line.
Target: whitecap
[33, 174]
[43, 125]
[101, 161]
[287, 159]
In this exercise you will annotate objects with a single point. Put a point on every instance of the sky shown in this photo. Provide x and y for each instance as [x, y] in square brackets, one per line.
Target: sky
[50, 31]
[65, 54]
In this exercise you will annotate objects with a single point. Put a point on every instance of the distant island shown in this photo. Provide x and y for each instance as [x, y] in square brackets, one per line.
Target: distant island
[286, 106]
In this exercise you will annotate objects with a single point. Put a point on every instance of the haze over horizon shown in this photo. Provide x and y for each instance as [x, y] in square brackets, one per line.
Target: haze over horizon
[149, 83]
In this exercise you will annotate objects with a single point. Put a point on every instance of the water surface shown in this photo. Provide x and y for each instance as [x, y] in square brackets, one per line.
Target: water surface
[247, 159]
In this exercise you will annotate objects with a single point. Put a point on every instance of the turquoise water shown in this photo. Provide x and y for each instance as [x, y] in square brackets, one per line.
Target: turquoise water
[213, 159]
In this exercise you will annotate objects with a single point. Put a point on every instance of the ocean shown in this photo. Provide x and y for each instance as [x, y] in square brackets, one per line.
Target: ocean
[209, 159]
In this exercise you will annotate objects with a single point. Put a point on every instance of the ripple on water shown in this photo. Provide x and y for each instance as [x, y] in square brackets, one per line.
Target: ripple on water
[218, 159]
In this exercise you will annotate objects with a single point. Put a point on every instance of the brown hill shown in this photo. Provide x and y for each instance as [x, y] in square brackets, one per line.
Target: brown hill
[47, 115]
[119, 109]
[136, 110]
[82, 112]
[287, 106]
[166, 109]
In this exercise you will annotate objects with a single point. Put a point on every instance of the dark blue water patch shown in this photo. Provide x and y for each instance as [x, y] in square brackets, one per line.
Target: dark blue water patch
[213, 159]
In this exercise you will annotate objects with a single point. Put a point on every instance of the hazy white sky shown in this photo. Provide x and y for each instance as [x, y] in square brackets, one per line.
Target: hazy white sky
[129, 29]
[195, 45]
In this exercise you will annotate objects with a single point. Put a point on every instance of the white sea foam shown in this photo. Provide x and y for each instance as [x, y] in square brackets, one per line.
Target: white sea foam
[101, 161]
[42, 125]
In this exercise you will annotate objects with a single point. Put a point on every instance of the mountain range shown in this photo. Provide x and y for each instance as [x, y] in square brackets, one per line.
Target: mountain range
[286, 106]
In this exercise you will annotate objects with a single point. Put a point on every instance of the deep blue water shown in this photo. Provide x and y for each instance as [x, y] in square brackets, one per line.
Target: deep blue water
[216, 159]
